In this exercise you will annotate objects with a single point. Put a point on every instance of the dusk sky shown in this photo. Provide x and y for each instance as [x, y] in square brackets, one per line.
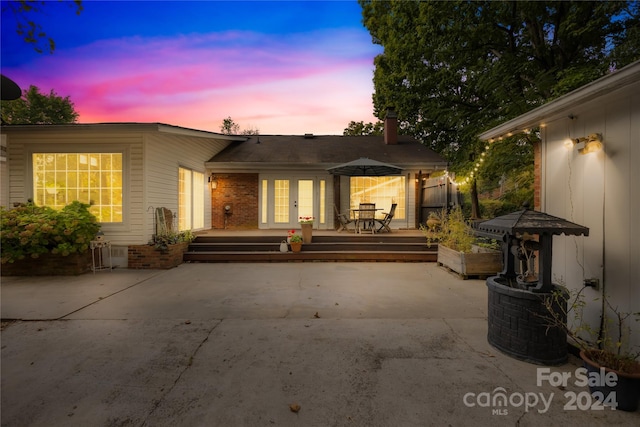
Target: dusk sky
[282, 67]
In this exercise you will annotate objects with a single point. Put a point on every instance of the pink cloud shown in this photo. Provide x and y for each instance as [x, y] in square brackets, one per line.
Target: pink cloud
[307, 83]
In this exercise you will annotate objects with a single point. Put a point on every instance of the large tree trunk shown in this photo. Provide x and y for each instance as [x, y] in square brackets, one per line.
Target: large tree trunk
[475, 203]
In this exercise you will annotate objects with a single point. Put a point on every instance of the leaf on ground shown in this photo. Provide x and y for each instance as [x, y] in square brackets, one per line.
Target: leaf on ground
[294, 407]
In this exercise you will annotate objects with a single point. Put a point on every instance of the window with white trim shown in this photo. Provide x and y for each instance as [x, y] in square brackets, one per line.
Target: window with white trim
[381, 190]
[91, 178]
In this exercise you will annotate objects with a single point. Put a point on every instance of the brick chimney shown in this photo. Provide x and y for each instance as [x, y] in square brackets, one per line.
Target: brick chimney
[391, 127]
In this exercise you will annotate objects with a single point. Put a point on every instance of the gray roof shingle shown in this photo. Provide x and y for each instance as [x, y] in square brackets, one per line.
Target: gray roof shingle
[326, 149]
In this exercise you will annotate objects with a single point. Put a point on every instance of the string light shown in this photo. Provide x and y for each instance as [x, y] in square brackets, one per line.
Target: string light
[480, 161]
[476, 166]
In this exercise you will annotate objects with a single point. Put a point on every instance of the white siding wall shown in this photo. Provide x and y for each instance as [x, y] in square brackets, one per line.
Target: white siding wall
[165, 153]
[599, 191]
[22, 145]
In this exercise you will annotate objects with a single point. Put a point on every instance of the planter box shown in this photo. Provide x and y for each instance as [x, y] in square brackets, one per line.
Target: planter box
[50, 265]
[148, 257]
[480, 262]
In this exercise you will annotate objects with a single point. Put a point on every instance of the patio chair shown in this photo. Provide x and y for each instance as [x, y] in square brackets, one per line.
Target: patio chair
[384, 222]
[366, 218]
[343, 219]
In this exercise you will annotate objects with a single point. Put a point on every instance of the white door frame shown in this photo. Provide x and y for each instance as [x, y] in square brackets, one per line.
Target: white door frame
[266, 219]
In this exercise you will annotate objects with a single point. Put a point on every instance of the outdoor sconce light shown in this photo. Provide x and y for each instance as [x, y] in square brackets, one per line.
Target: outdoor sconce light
[592, 143]
[213, 182]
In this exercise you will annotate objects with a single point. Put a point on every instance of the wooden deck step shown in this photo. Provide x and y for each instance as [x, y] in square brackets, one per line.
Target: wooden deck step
[260, 248]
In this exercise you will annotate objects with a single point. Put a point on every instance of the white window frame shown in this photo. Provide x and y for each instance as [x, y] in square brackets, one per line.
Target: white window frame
[123, 226]
[197, 200]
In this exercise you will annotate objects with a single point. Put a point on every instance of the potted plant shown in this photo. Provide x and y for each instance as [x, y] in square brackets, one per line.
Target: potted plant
[164, 251]
[458, 248]
[296, 243]
[612, 363]
[306, 224]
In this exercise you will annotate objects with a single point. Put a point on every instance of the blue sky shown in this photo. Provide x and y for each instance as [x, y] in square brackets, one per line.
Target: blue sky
[283, 67]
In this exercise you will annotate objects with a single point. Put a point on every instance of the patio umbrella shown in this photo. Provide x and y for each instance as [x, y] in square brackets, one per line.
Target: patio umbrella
[9, 90]
[365, 167]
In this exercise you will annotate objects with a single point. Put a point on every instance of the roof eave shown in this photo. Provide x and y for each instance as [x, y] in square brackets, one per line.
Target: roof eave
[265, 166]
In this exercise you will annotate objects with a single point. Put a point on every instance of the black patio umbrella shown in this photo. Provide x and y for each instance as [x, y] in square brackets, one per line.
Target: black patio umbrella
[9, 90]
[365, 167]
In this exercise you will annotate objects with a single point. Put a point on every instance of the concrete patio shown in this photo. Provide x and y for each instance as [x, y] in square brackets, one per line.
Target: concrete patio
[351, 344]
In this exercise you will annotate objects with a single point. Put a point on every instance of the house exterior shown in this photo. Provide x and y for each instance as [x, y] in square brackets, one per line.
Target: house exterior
[268, 182]
[127, 170]
[208, 180]
[595, 185]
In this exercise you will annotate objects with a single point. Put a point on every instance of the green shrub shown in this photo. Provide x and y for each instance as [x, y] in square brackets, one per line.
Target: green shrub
[162, 241]
[30, 230]
[453, 231]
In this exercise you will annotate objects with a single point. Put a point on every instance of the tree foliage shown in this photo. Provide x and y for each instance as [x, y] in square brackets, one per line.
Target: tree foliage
[26, 27]
[230, 127]
[454, 69]
[361, 128]
[36, 108]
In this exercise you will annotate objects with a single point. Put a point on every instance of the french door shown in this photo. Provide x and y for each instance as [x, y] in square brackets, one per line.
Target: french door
[284, 200]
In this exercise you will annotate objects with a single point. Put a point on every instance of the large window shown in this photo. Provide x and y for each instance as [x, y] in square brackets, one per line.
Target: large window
[190, 199]
[92, 178]
[381, 190]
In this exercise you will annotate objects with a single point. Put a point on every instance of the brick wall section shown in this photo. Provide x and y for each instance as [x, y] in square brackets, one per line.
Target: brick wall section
[537, 175]
[240, 191]
[148, 257]
[50, 265]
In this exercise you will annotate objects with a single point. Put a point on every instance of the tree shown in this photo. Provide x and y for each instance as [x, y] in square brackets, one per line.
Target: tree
[229, 127]
[250, 131]
[453, 69]
[36, 108]
[30, 31]
[360, 128]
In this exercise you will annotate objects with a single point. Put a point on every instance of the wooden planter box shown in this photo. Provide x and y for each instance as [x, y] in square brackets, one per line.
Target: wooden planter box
[148, 257]
[480, 262]
[50, 265]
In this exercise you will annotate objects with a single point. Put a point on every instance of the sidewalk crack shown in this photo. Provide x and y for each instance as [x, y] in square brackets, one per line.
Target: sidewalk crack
[158, 402]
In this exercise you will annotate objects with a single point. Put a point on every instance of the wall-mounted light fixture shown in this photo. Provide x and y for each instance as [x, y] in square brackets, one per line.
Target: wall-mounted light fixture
[213, 182]
[593, 144]
[588, 144]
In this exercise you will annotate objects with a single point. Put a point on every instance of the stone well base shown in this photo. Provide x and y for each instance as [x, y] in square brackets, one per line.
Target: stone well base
[519, 325]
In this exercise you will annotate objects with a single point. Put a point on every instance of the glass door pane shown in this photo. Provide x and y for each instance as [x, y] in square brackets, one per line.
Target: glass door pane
[305, 198]
[281, 201]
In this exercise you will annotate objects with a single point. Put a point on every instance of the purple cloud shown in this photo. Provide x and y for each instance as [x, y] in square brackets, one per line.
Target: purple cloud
[307, 82]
